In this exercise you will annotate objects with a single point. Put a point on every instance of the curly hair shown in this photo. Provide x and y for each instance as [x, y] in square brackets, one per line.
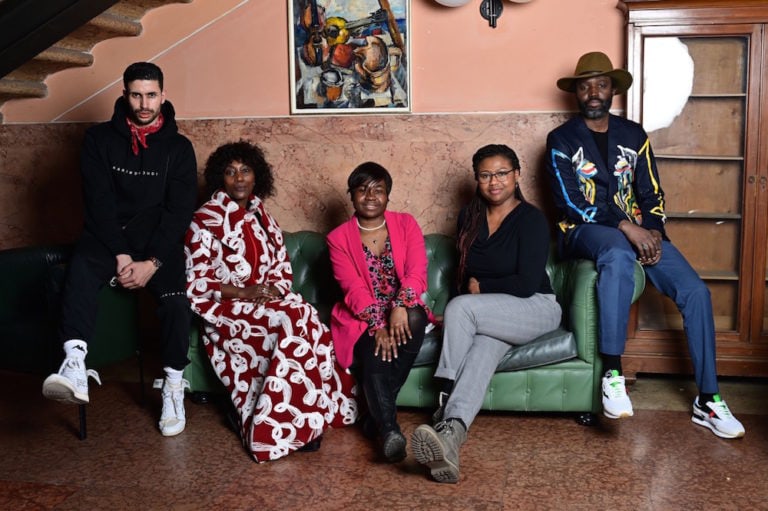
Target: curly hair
[246, 153]
[476, 208]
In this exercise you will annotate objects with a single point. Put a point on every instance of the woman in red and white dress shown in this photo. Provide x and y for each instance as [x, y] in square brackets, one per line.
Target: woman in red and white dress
[266, 344]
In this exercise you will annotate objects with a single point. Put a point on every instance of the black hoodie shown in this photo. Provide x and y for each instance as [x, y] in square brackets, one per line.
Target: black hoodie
[142, 204]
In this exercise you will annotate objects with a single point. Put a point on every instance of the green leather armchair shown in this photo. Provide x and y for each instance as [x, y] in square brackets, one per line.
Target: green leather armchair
[570, 385]
[30, 296]
[558, 373]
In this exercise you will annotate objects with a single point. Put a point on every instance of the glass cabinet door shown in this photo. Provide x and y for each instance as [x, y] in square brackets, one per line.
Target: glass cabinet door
[695, 108]
[701, 92]
[688, 82]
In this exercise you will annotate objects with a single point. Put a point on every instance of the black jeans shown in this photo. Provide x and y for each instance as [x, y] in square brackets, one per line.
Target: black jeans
[92, 266]
[381, 380]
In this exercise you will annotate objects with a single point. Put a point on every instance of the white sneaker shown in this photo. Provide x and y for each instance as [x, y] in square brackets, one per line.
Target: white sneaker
[70, 384]
[616, 403]
[716, 416]
[173, 418]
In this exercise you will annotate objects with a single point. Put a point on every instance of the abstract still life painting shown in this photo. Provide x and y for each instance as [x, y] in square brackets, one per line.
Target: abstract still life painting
[349, 56]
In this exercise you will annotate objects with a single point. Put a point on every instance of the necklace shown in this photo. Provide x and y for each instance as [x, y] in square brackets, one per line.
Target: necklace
[369, 229]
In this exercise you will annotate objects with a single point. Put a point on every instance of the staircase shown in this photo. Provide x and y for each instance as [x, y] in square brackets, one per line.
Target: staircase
[41, 37]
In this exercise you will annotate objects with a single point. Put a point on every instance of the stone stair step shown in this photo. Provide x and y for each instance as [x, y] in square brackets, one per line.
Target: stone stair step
[120, 20]
[50, 61]
[104, 26]
[136, 9]
[18, 89]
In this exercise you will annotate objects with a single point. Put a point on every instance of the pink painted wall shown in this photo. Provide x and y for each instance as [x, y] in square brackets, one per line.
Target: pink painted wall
[229, 59]
[226, 65]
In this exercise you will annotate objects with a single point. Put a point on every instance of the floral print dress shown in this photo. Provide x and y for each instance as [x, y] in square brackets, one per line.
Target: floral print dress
[387, 290]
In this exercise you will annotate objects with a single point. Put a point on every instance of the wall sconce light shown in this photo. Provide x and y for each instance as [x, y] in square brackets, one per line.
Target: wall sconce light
[489, 9]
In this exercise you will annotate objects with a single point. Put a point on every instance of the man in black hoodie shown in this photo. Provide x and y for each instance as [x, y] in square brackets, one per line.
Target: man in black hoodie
[140, 187]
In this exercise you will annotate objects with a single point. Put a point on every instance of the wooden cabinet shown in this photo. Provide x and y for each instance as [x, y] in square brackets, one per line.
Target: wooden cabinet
[701, 91]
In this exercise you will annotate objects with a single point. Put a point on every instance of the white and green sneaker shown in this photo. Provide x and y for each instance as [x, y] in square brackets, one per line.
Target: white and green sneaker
[716, 416]
[616, 403]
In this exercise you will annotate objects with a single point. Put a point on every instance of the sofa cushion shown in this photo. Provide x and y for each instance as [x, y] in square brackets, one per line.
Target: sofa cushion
[555, 346]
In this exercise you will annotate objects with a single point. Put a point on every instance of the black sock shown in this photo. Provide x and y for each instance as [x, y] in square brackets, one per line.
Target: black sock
[459, 421]
[611, 363]
[705, 398]
[445, 385]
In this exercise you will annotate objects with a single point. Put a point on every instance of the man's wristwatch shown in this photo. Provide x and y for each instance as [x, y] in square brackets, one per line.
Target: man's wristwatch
[157, 262]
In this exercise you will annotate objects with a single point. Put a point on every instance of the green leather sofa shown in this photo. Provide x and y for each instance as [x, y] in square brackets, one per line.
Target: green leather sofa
[31, 280]
[559, 372]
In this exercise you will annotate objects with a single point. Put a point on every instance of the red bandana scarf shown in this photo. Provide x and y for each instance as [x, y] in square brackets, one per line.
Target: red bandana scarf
[139, 133]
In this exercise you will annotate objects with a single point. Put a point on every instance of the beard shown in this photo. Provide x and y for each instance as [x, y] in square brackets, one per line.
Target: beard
[135, 119]
[591, 112]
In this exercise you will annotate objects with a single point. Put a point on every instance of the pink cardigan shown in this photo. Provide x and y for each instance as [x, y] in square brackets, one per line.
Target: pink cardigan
[351, 271]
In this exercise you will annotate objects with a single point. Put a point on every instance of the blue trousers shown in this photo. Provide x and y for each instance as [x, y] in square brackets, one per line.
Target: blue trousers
[614, 258]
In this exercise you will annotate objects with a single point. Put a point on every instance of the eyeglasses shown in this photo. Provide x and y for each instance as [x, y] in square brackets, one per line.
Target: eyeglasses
[501, 176]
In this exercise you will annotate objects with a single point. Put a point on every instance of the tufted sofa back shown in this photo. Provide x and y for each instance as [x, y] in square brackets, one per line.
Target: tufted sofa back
[313, 274]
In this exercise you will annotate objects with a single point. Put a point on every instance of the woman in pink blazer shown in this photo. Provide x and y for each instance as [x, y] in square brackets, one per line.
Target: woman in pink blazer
[380, 262]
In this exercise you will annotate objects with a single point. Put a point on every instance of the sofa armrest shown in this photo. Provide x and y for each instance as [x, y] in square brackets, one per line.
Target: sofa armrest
[441, 259]
[25, 274]
[575, 283]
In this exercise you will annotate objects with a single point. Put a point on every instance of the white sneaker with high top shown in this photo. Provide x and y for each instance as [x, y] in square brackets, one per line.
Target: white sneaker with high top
[70, 384]
[716, 416]
[172, 418]
[616, 403]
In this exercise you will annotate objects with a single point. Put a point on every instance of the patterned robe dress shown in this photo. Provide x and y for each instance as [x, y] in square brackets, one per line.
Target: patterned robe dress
[276, 360]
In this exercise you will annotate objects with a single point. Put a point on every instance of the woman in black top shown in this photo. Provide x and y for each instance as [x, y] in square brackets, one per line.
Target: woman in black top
[505, 300]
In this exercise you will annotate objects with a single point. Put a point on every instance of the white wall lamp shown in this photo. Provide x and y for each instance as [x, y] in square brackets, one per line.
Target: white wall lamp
[489, 9]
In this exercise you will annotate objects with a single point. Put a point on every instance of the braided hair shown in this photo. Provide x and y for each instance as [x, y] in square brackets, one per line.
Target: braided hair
[475, 210]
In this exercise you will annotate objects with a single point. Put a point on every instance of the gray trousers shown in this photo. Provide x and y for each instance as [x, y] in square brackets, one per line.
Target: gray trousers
[478, 331]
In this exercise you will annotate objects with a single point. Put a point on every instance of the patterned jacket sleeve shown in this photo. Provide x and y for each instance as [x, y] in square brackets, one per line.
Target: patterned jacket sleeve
[650, 196]
[570, 190]
[203, 258]
[280, 272]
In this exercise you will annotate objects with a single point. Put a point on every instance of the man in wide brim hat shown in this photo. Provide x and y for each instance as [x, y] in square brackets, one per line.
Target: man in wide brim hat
[596, 64]
[606, 186]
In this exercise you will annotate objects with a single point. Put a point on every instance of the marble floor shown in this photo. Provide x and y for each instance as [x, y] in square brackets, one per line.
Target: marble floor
[656, 460]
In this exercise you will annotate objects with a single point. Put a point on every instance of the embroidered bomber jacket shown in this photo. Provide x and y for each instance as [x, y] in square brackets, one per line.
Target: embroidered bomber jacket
[586, 192]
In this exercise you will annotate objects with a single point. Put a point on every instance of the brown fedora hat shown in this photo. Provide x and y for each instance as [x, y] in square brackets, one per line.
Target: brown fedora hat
[596, 64]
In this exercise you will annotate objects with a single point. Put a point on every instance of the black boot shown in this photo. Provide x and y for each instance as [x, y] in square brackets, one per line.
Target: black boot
[383, 411]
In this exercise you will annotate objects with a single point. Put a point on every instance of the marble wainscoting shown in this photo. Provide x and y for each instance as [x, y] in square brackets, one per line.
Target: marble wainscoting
[429, 157]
